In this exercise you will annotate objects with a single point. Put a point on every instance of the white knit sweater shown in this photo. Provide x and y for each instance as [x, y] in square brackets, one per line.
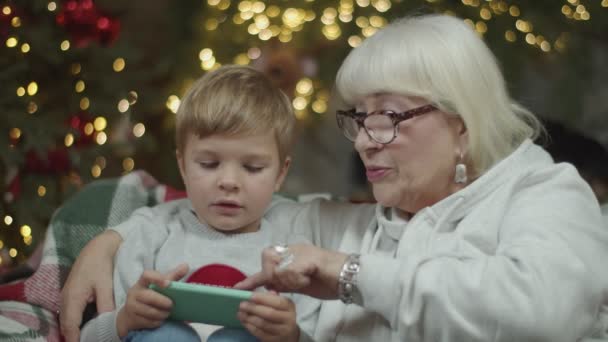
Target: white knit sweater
[520, 254]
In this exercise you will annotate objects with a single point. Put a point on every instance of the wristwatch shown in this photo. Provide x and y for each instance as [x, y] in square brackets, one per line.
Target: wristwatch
[347, 280]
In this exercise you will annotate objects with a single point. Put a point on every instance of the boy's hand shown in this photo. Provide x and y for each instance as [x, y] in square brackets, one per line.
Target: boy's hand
[270, 317]
[146, 308]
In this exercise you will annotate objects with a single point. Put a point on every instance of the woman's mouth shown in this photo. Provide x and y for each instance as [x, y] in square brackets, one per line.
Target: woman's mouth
[375, 174]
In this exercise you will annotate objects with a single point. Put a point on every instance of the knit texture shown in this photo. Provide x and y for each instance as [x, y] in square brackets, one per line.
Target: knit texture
[28, 307]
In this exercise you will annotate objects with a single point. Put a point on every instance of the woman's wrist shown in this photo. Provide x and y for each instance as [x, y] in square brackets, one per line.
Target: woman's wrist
[331, 265]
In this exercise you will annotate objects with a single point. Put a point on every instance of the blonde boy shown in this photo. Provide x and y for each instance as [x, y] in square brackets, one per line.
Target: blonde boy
[233, 133]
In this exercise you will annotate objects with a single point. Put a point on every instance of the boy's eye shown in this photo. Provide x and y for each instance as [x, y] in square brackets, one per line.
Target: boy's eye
[208, 165]
[253, 169]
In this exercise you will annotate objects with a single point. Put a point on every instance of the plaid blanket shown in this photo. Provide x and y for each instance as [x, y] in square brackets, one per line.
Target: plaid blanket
[28, 307]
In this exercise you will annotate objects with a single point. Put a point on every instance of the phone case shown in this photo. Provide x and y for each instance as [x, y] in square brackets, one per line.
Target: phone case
[204, 304]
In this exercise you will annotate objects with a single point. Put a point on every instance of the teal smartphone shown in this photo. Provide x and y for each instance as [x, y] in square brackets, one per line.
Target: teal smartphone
[204, 304]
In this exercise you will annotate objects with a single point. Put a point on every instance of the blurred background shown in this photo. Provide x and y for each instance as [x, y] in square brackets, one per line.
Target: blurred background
[90, 87]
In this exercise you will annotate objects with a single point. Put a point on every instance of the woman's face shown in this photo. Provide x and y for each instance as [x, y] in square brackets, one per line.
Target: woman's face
[416, 169]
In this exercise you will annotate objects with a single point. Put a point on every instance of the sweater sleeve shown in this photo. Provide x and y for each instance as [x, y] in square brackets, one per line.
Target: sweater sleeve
[101, 328]
[543, 282]
[143, 235]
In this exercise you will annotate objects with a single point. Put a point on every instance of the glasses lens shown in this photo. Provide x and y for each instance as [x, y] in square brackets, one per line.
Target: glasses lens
[380, 128]
[349, 127]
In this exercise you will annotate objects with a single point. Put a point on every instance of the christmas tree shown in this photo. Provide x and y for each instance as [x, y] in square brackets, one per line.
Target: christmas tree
[81, 100]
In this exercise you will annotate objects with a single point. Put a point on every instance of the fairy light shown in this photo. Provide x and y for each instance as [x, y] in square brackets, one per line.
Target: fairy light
[299, 103]
[304, 87]
[132, 97]
[128, 164]
[211, 24]
[485, 14]
[101, 138]
[12, 252]
[100, 123]
[65, 45]
[88, 128]
[20, 91]
[84, 103]
[101, 161]
[32, 88]
[514, 11]
[27, 240]
[25, 47]
[319, 106]
[6, 10]
[354, 41]
[16, 22]
[79, 86]
[481, 27]
[96, 171]
[254, 53]
[139, 130]
[52, 6]
[25, 230]
[11, 42]
[381, 5]
[331, 32]
[173, 103]
[8, 220]
[123, 105]
[15, 133]
[377, 21]
[604, 3]
[41, 191]
[119, 64]
[32, 107]
[510, 36]
[68, 140]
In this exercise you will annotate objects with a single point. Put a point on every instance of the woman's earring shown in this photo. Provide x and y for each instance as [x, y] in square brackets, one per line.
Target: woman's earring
[460, 176]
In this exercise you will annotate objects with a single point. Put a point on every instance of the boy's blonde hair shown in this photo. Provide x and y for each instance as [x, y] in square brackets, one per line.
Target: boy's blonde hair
[235, 100]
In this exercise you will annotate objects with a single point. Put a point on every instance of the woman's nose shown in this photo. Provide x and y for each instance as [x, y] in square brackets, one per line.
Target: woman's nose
[364, 142]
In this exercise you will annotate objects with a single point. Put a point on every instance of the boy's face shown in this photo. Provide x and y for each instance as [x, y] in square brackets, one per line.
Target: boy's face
[230, 179]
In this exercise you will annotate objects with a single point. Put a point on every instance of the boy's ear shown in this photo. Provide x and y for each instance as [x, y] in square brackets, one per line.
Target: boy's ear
[282, 173]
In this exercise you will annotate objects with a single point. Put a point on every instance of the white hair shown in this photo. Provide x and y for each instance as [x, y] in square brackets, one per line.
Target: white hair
[440, 58]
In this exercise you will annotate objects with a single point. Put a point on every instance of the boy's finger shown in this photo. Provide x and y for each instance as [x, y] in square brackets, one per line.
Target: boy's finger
[270, 299]
[152, 277]
[155, 299]
[70, 316]
[178, 272]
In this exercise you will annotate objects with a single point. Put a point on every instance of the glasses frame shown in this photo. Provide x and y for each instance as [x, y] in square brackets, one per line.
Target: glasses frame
[396, 118]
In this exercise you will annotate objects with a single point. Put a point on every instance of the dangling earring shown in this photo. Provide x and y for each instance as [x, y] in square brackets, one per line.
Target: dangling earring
[460, 176]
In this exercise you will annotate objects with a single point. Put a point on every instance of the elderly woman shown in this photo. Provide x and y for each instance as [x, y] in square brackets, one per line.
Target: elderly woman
[477, 235]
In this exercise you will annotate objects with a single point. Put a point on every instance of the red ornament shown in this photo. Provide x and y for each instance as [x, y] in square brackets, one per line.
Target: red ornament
[86, 23]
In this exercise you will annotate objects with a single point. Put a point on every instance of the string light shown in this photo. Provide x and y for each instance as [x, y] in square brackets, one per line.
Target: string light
[128, 164]
[11, 42]
[20, 91]
[32, 88]
[65, 45]
[96, 171]
[52, 6]
[101, 138]
[84, 103]
[123, 105]
[139, 129]
[16, 22]
[173, 103]
[12, 252]
[68, 140]
[41, 191]
[100, 123]
[8, 220]
[119, 64]
[79, 86]
[25, 48]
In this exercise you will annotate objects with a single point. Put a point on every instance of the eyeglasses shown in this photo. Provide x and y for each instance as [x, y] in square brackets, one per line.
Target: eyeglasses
[380, 126]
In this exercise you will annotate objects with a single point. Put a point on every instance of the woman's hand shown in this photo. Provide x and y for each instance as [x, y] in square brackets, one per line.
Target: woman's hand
[270, 317]
[146, 308]
[90, 279]
[314, 271]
